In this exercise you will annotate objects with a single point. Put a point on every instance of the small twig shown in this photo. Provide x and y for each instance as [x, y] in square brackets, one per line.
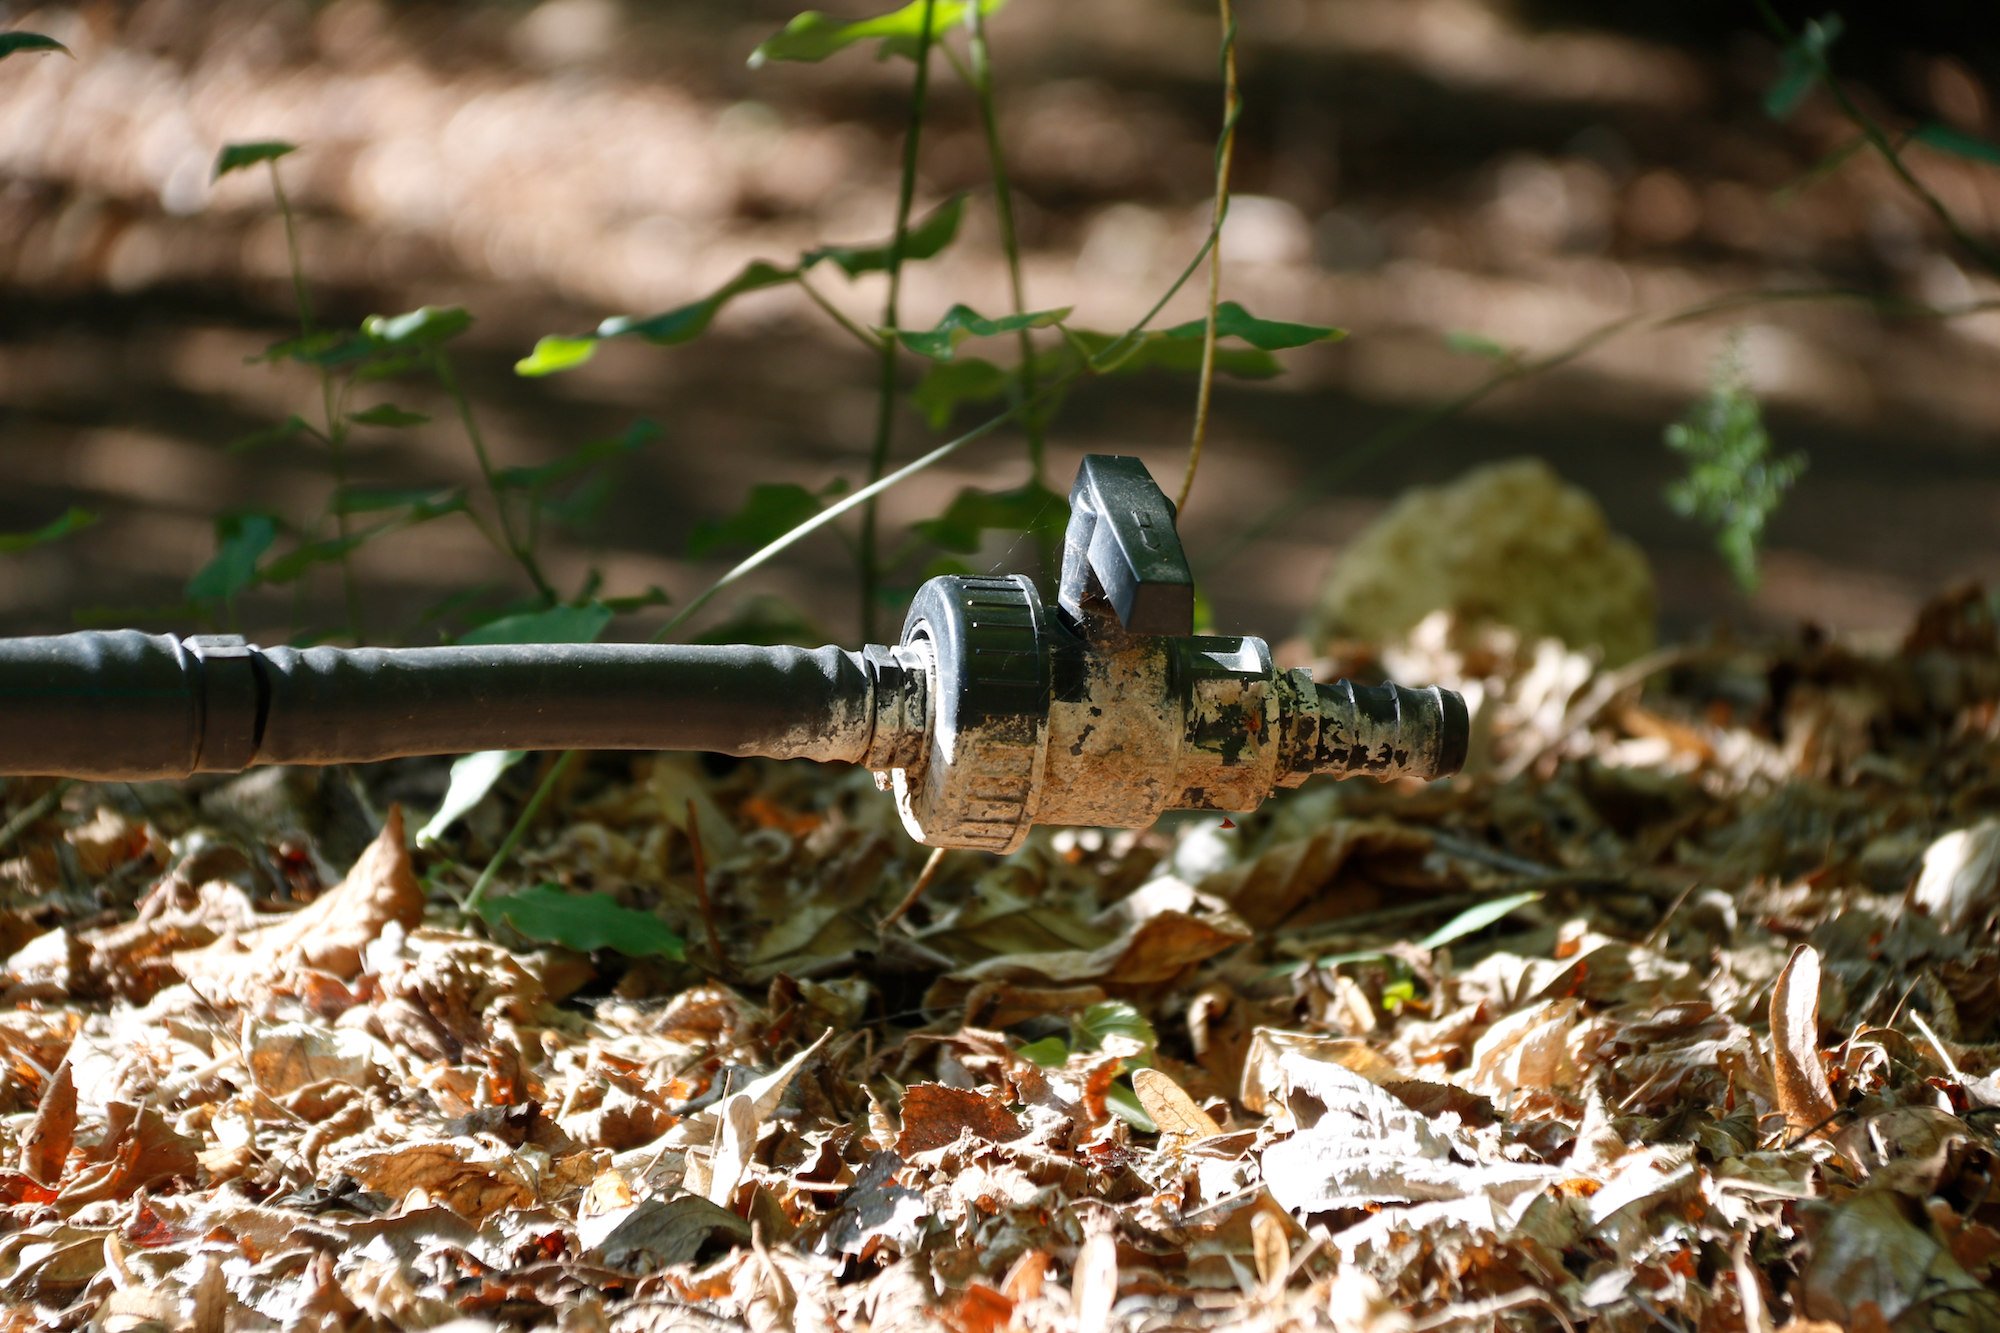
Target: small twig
[34, 812]
[870, 340]
[885, 408]
[924, 878]
[701, 889]
[1950, 1065]
[1225, 153]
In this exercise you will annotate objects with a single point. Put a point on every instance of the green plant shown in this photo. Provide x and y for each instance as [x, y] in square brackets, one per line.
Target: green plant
[258, 548]
[1051, 353]
[1733, 483]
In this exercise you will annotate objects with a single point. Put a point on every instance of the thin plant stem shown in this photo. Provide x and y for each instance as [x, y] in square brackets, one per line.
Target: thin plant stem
[299, 290]
[336, 420]
[885, 413]
[33, 812]
[522, 552]
[1878, 139]
[872, 341]
[978, 74]
[1225, 153]
[1317, 484]
[546, 788]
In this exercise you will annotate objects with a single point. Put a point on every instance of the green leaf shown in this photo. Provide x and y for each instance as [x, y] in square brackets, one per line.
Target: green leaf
[426, 326]
[1048, 1052]
[684, 322]
[559, 352]
[283, 433]
[924, 241]
[1268, 335]
[1110, 1018]
[1180, 356]
[1733, 483]
[1477, 918]
[1477, 344]
[388, 414]
[771, 510]
[302, 560]
[75, 519]
[1958, 143]
[1801, 64]
[237, 156]
[637, 436]
[962, 322]
[240, 539]
[813, 36]
[585, 922]
[972, 513]
[427, 501]
[554, 354]
[949, 385]
[12, 43]
[556, 624]
[472, 777]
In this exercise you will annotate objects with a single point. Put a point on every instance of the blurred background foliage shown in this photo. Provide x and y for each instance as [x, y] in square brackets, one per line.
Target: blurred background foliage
[1459, 183]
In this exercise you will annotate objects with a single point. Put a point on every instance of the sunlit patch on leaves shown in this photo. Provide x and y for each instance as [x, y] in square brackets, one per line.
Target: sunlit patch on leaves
[73, 520]
[813, 36]
[1733, 484]
[585, 922]
[237, 156]
[13, 43]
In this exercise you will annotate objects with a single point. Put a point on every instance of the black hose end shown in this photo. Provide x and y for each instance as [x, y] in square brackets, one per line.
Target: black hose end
[1454, 731]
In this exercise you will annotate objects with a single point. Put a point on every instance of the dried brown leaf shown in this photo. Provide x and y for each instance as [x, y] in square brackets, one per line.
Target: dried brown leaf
[1804, 1095]
[52, 1133]
[1172, 1109]
[934, 1116]
[329, 935]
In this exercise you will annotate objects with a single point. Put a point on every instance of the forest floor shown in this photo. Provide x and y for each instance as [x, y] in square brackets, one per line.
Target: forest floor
[1677, 1010]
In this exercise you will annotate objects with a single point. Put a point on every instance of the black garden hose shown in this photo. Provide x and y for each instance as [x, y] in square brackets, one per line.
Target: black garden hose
[130, 706]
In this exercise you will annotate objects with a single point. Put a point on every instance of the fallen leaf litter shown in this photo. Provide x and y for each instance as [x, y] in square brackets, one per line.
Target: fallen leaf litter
[1692, 1021]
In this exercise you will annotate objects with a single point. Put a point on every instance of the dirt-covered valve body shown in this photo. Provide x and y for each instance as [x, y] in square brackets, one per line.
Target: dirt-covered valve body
[1109, 711]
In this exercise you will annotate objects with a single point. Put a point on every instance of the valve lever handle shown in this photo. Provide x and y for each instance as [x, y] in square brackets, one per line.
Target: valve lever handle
[1122, 545]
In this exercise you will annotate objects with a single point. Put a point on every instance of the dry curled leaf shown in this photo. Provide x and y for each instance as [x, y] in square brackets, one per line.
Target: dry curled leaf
[45, 1147]
[934, 1116]
[1172, 1109]
[1804, 1095]
[329, 935]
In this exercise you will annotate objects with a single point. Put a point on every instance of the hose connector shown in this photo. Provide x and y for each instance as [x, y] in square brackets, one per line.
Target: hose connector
[1108, 709]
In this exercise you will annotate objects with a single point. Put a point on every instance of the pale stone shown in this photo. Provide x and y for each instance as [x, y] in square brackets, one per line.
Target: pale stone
[1510, 543]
